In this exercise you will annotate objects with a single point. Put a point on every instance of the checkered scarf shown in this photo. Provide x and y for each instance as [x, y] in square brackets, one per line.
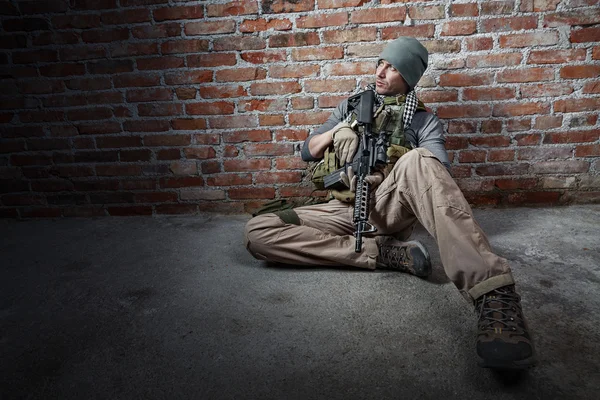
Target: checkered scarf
[410, 106]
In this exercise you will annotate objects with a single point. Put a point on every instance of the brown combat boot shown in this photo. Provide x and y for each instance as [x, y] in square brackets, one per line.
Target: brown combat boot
[503, 341]
[411, 257]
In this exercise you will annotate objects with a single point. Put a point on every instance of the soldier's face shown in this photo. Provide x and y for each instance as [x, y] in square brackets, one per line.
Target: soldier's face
[388, 80]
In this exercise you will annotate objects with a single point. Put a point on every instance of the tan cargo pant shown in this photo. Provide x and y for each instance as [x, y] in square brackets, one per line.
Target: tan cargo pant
[418, 188]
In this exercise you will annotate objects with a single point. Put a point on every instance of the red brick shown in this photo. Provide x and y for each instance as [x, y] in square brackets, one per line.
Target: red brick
[145, 95]
[501, 155]
[350, 68]
[592, 150]
[159, 109]
[530, 139]
[118, 141]
[508, 24]
[207, 138]
[303, 103]
[466, 79]
[229, 180]
[110, 66]
[136, 80]
[251, 193]
[459, 28]
[62, 69]
[293, 71]
[241, 75]
[257, 164]
[565, 167]
[24, 24]
[308, 118]
[118, 170]
[235, 121]
[133, 49]
[239, 43]
[462, 127]
[464, 111]
[291, 135]
[34, 56]
[323, 4]
[135, 155]
[502, 169]
[350, 35]
[184, 46]
[479, 43]
[188, 77]
[572, 137]
[241, 7]
[545, 153]
[546, 89]
[262, 105]
[512, 184]
[529, 39]
[263, 57]
[180, 12]
[490, 141]
[41, 116]
[211, 60]
[591, 88]
[548, 122]
[492, 93]
[376, 15]
[222, 91]
[210, 108]
[491, 126]
[181, 181]
[472, 156]
[329, 85]
[514, 125]
[274, 88]
[464, 10]
[261, 24]
[190, 124]
[426, 12]
[516, 109]
[315, 54]
[167, 140]
[494, 60]
[168, 154]
[577, 105]
[526, 75]
[578, 17]
[290, 163]
[497, 7]
[294, 39]
[271, 119]
[556, 56]
[156, 31]
[278, 177]
[322, 20]
[283, 6]
[105, 35]
[585, 35]
[35, 144]
[580, 71]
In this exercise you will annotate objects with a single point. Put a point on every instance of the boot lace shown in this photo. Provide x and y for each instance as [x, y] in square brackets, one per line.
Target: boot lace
[500, 309]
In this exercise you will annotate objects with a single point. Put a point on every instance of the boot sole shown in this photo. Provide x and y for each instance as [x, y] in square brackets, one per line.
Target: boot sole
[508, 365]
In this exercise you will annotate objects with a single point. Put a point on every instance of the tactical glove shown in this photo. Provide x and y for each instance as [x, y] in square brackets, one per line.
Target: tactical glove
[373, 179]
[345, 142]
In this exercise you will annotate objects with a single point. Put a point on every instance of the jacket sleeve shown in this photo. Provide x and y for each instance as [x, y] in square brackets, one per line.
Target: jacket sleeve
[336, 117]
[426, 131]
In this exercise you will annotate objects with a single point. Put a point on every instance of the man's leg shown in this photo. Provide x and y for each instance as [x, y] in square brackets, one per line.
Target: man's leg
[321, 235]
[420, 185]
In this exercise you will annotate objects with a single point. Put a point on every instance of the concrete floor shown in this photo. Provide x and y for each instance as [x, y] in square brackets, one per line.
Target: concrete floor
[175, 308]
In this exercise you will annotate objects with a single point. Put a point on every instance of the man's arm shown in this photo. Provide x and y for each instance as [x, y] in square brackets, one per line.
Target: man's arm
[427, 131]
[315, 145]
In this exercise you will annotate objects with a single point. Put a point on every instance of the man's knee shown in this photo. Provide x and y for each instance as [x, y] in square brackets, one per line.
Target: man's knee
[260, 232]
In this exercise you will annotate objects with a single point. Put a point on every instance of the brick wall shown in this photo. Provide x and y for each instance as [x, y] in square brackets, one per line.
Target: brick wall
[124, 107]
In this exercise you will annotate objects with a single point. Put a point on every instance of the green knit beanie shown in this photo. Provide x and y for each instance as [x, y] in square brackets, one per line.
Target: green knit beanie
[408, 56]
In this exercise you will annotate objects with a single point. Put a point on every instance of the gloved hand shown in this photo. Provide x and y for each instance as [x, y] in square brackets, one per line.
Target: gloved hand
[350, 179]
[345, 142]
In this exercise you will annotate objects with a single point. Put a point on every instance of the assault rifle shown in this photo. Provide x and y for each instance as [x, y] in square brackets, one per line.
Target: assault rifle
[371, 156]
